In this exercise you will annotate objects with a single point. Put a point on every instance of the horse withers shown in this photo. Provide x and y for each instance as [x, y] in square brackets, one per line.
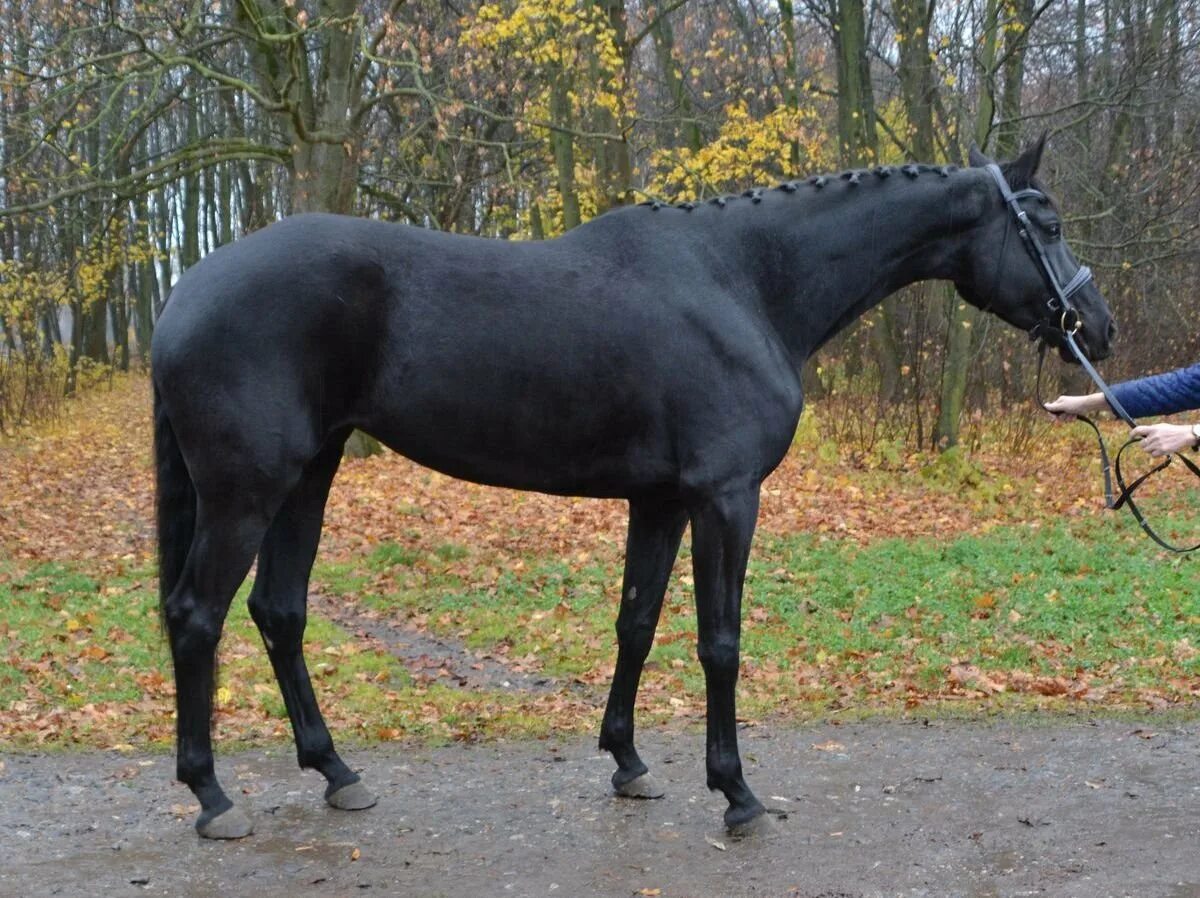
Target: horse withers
[652, 354]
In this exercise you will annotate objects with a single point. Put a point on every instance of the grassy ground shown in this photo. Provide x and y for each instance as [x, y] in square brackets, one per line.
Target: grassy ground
[908, 589]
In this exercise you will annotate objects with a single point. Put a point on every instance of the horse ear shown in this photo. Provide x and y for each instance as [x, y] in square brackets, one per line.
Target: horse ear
[976, 157]
[1021, 171]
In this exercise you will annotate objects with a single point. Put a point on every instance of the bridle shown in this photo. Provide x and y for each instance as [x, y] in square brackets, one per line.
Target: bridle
[1062, 323]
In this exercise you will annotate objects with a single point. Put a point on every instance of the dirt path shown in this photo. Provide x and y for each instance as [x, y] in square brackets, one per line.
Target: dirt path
[425, 655]
[881, 809]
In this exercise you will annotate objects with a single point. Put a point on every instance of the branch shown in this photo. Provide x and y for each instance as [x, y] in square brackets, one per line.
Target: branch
[653, 23]
[194, 159]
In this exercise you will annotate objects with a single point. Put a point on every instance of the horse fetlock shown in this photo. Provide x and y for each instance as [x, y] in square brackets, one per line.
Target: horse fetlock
[195, 770]
[725, 776]
[616, 735]
[317, 753]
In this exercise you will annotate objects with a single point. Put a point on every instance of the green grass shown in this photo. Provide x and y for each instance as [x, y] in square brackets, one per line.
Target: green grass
[1086, 600]
[1053, 600]
[67, 627]
[826, 624]
[85, 662]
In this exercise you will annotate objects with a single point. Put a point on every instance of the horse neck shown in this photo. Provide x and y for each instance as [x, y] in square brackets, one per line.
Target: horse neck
[822, 257]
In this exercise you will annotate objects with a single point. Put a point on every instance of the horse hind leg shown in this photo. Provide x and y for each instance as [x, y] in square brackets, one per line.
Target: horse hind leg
[651, 546]
[226, 536]
[278, 606]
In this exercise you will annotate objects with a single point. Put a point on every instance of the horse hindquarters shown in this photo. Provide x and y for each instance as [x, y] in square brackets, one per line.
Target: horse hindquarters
[214, 509]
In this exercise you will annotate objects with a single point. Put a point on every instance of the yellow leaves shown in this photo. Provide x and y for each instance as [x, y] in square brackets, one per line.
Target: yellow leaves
[25, 291]
[747, 150]
[543, 51]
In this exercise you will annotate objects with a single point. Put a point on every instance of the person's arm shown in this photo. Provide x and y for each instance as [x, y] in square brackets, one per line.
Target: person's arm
[1161, 394]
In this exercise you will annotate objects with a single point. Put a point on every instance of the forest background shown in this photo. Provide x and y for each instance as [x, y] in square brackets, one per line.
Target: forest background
[888, 574]
[135, 137]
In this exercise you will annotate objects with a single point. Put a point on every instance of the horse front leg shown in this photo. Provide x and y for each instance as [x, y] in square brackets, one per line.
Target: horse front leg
[721, 532]
[650, 549]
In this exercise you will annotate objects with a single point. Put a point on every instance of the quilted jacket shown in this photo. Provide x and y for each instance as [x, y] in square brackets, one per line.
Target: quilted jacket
[1161, 394]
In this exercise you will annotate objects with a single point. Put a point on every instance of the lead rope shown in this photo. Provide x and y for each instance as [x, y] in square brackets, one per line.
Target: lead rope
[1108, 467]
[1069, 323]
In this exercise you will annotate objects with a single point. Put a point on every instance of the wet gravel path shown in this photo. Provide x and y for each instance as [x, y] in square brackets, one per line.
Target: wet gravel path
[971, 810]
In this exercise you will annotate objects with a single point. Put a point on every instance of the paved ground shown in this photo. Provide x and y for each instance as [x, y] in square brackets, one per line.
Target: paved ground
[880, 809]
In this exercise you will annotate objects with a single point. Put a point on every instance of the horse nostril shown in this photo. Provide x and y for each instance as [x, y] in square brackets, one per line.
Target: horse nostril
[1111, 333]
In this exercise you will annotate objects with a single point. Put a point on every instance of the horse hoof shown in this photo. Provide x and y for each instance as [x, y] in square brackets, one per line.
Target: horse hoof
[644, 786]
[230, 824]
[757, 827]
[352, 797]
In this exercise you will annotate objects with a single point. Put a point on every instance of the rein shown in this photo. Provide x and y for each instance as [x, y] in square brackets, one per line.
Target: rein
[1062, 325]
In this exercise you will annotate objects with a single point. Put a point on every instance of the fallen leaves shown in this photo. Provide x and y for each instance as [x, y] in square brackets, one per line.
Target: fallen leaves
[94, 470]
[968, 676]
[831, 745]
[83, 491]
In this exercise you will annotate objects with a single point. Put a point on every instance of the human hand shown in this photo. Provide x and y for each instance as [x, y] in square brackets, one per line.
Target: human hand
[1164, 439]
[1067, 408]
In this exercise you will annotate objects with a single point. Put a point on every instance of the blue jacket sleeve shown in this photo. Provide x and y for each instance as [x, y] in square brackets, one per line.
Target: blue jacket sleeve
[1161, 394]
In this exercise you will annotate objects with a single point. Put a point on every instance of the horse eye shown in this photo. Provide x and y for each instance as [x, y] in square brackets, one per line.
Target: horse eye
[1054, 229]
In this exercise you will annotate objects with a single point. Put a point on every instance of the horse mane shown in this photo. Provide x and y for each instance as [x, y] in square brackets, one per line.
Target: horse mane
[852, 177]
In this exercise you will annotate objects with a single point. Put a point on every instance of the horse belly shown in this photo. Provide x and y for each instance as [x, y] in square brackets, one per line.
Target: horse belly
[531, 441]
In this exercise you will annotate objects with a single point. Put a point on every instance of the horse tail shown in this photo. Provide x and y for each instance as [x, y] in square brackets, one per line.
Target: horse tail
[175, 504]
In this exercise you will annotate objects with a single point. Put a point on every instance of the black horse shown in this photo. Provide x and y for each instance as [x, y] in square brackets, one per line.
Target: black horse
[652, 354]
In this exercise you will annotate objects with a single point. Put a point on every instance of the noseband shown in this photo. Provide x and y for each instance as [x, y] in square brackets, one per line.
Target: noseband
[1062, 323]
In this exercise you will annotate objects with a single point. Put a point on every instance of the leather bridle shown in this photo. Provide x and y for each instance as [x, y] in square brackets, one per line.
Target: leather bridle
[1062, 323]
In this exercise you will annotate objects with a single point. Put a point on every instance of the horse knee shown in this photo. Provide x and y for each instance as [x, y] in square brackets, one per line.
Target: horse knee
[281, 627]
[719, 657]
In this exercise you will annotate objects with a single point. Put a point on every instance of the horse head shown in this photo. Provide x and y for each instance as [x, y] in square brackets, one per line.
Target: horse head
[1020, 267]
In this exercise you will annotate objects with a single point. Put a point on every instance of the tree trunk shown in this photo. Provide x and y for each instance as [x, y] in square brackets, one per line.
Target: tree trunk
[859, 146]
[961, 316]
[564, 150]
[916, 74]
[676, 86]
